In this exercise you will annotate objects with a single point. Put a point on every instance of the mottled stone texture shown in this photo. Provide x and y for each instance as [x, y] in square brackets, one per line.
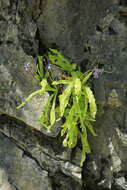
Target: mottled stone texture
[31, 160]
[17, 48]
[93, 33]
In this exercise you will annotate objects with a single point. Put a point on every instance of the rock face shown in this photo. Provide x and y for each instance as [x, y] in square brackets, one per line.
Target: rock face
[31, 160]
[91, 33]
[68, 24]
[17, 38]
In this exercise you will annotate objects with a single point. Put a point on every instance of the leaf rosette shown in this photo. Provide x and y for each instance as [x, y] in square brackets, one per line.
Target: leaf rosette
[70, 100]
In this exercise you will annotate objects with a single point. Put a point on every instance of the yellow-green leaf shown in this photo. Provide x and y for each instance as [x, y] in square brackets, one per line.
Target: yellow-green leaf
[91, 99]
[29, 98]
[85, 147]
[40, 66]
[90, 127]
[73, 134]
[64, 98]
[40, 92]
[87, 76]
[58, 59]
[44, 83]
[63, 131]
[61, 82]
[52, 112]
[44, 118]
[77, 86]
[65, 141]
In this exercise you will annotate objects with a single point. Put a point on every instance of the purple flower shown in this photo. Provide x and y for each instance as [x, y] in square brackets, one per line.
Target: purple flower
[27, 66]
[97, 73]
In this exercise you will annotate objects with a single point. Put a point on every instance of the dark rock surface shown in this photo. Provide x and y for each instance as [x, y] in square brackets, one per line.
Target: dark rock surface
[68, 23]
[17, 34]
[93, 34]
[31, 159]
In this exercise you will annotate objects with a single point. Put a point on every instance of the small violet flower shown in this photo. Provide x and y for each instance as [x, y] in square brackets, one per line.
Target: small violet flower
[27, 66]
[97, 73]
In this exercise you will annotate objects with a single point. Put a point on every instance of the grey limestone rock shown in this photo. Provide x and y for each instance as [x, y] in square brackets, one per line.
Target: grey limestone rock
[18, 171]
[45, 151]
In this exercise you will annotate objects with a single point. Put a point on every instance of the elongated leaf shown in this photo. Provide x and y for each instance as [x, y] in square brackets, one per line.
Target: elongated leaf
[77, 86]
[90, 127]
[44, 119]
[77, 74]
[37, 77]
[83, 102]
[58, 59]
[85, 147]
[89, 118]
[49, 88]
[93, 108]
[61, 82]
[40, 67]
[64, 98]
[72, 134]
[66, 112]
[52, 113]
[65, 141]
[29, 98]
[38, 92]
[86, 77]
[79, 111]
[63, 131]
[72, 131]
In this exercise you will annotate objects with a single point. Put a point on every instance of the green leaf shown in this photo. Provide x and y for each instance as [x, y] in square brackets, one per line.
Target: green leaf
[90, 127]
[66, 112]
[38, 92]
[46, 75]
[77, 74]
[65, 141]
[58, 59]
[44, 83]
[63, 131]
[71, 127]
[44, 118]
[73, 134]
[64, 98]
[89, 118]
[91, 99]
[85, 147]
[29, 98]
[40, 67]
[86, 77]
[37, 77]
[83, 103]
[77, 86]
[61, 82]
[52, 113]
[49, 88]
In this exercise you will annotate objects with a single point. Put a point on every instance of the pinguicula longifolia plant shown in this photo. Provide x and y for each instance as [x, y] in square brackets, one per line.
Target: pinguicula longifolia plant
[70, 100]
